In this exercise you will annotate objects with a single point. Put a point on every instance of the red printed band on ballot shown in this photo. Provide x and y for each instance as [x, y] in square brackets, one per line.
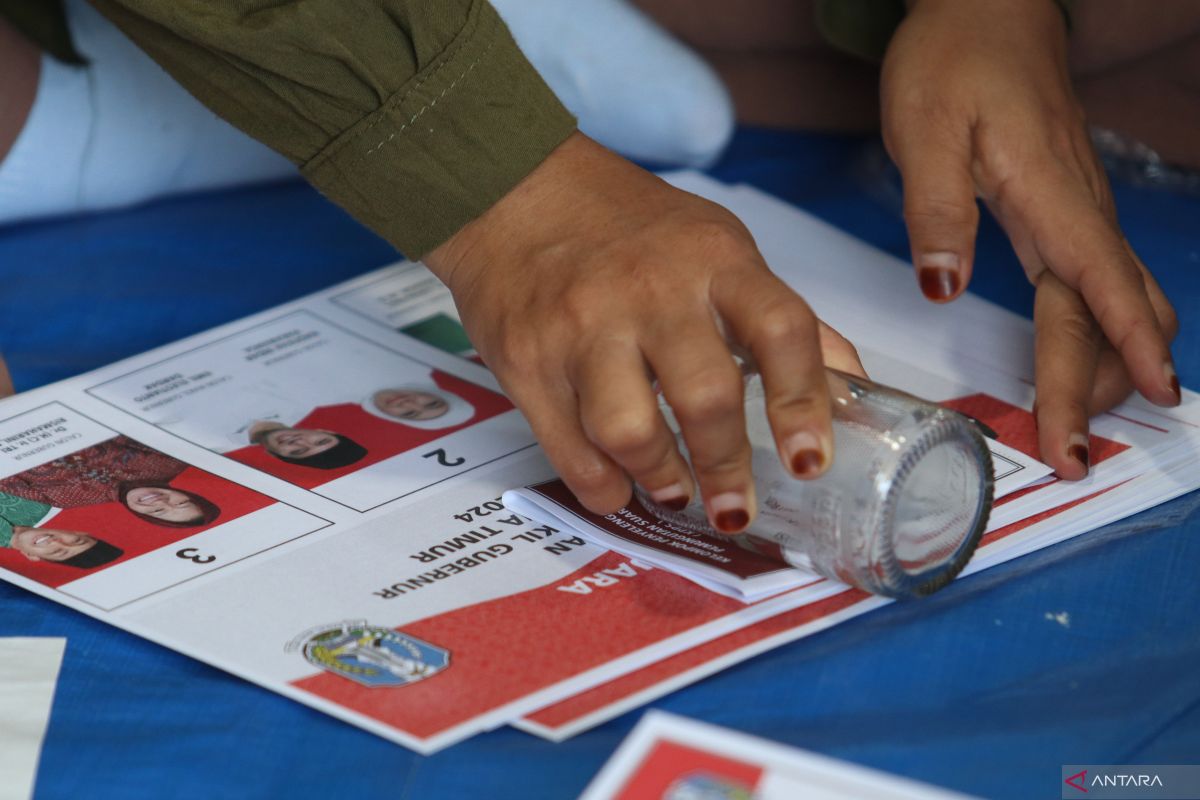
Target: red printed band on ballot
[502, 650]
[1017, 428]
[381, 438]
[675, 770]
[584, 703]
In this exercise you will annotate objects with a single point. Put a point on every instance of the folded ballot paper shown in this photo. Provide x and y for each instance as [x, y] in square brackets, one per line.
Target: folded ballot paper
[310, 498]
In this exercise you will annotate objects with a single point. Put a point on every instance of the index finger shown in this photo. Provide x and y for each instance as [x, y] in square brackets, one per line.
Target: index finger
[783, 335]
[703, 386]
[1066, 355]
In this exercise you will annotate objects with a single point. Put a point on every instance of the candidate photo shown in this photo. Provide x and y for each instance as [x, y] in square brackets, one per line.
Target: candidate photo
[107, 503]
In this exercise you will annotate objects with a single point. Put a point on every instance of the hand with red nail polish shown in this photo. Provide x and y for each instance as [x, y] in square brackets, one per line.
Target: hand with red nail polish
[977, 103]
[592, 279]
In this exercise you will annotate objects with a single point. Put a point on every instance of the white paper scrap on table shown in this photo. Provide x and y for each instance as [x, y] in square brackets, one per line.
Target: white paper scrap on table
[28, 675]
[674, 758]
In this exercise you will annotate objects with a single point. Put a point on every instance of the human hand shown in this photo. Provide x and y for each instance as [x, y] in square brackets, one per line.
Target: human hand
[977, 101]
[591, 279]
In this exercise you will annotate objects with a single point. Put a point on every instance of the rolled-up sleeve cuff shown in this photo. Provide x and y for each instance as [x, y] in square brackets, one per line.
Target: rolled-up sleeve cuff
[450, 143]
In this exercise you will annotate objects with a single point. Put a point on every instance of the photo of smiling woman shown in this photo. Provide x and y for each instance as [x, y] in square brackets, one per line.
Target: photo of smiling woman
[116, 470]
[161, 504]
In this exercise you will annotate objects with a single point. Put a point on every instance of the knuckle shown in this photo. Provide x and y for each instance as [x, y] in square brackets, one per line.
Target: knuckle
[587, 476]
[721, 235]
[1075, 407]
[719, 465]
[510, 346]
[626, 434]
[1067, 408]
[708, 398]
[1079, 330]
[578, 306]
[802, 405]
[513, 355]
[1132, 330]
[784, 321]
[925, 210]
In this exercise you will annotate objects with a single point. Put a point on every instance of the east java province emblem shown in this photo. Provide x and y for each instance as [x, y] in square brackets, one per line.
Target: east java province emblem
[371, 655]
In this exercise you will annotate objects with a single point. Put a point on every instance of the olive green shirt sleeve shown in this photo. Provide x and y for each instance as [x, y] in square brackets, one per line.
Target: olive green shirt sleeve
[413, 115]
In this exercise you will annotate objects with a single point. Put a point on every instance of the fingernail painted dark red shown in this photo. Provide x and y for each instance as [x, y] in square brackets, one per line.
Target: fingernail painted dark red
[1079, 453]
[938, 284]
[807, 462]
[732, 521]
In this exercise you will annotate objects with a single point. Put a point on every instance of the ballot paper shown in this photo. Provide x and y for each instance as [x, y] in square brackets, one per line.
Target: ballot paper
[722, 563]
[668, 757]
[1142, 455]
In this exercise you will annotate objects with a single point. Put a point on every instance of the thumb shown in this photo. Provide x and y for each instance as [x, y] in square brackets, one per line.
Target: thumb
[939, 208]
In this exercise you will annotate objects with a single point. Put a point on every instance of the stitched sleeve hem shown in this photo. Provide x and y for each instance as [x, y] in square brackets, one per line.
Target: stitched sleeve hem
[450, 143]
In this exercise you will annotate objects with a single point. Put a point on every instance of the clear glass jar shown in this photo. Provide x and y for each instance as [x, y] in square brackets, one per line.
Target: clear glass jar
[899, 511]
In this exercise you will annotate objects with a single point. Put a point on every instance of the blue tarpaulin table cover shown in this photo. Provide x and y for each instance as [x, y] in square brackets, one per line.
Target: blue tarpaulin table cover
[980, 688]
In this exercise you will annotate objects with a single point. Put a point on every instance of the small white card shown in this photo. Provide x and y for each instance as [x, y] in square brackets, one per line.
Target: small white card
[674, 758]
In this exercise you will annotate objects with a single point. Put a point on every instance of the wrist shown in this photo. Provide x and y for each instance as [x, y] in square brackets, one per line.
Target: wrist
[996, 30]
[1053, 13]
[526, 219]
